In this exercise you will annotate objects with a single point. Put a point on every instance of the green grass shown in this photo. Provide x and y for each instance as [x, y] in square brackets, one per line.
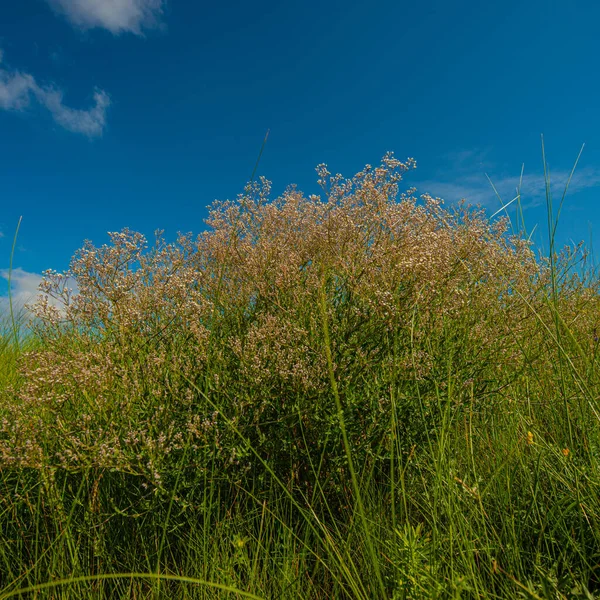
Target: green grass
[453, 454]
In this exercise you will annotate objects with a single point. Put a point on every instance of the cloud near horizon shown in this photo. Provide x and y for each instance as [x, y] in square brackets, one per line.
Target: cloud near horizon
[17, 90]
[24, 290]
[117, 16]
[466, 178]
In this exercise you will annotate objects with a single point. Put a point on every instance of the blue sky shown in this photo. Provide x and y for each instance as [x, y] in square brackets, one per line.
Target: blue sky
[139, 113]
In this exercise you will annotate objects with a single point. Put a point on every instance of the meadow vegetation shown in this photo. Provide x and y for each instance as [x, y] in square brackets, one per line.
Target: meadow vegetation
[358, 395]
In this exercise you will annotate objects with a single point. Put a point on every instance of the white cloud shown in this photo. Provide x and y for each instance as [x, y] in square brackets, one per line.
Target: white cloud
[118, 16]
[466, 178]
[476, 189]
[89, 122]
[17, 90]
[25, 290]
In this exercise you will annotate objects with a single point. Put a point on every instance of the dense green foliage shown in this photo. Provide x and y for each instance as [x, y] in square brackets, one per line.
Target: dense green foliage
[352, 398]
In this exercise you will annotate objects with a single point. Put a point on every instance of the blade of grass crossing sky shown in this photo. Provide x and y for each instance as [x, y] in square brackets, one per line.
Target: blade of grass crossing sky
[10, 301]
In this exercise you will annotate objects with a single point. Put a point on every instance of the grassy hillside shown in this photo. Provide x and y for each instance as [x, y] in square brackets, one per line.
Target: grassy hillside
[361, 395]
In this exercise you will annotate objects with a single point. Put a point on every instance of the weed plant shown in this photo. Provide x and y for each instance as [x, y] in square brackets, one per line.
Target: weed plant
[361, 395]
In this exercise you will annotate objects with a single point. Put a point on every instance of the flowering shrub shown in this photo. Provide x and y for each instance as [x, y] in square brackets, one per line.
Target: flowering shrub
[211, 350]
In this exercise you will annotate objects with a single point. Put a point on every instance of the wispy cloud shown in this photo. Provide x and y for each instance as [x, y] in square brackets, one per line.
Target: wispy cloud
[118, 16]
[467, 160]
[25, 290]
[465, 177]
[17, 90]
[90, 122]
